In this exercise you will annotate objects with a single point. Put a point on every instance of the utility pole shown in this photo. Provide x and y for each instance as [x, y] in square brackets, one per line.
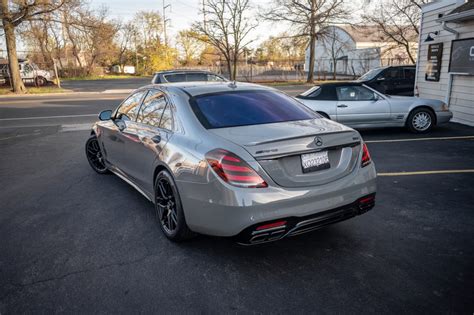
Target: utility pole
[165, 20]
[204, 14]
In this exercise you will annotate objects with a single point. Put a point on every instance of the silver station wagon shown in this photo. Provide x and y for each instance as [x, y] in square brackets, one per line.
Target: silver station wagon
[234, 160]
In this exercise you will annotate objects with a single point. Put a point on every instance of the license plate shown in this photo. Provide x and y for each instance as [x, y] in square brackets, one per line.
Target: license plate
[315, 161]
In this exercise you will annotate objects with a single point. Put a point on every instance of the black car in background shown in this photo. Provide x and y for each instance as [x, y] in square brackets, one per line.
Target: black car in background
[391, 80]
[185, 76]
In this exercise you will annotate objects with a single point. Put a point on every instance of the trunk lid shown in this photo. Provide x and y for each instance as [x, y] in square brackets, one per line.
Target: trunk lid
[278, 148]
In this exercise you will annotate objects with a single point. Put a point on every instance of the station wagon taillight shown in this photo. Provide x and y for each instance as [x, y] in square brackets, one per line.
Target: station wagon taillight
[365, 155]
[233, 170]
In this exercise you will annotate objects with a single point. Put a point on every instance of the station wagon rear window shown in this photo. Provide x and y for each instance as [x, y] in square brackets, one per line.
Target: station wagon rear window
[244, 108]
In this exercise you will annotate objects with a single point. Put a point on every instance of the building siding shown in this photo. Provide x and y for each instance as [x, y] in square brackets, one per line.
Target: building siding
[462, 93]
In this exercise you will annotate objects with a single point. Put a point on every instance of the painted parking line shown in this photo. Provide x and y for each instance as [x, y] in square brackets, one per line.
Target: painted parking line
[47, 117]
[420, 139]
[76, 127]
[427, 172]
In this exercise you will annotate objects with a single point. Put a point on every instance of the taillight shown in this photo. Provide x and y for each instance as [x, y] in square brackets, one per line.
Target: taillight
[365, 156]
[233, 170]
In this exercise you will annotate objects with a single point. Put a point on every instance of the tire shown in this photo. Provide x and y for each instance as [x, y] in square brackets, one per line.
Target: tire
[94, 155]
[40, 81]
[169, 212]
[324, 115]
[420, 120]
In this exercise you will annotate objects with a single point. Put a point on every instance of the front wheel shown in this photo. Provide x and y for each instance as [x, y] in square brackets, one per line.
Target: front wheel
[94, 155]
[40, 81]
[420, 120]
[169, 210]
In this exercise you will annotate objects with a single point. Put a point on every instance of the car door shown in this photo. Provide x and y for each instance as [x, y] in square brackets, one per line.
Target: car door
[407, 83]
[359, 105]
[153, 129]
[114, 132]
[392, 80]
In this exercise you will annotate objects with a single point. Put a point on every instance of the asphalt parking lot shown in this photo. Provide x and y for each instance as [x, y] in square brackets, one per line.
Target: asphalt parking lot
[76, 241]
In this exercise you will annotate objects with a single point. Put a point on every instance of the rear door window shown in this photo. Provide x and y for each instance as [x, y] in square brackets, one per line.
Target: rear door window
[243, 108]
[166, 121]
[214, 78]
[128, 109]
[409, 73]
[178, 77]
[392, 74]
[196, 77]
[152, 108]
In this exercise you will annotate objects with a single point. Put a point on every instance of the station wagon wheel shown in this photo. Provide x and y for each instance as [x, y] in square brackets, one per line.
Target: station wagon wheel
[168, 209]
[420, 120]
[94, 155]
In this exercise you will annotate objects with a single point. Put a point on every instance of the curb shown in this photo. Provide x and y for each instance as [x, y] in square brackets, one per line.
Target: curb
[68, 93]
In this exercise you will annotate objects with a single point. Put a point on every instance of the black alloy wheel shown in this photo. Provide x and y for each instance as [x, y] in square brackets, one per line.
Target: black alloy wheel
[95, 156]
[168, 209]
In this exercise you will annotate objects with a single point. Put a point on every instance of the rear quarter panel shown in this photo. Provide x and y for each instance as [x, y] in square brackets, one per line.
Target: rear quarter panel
[327, 107]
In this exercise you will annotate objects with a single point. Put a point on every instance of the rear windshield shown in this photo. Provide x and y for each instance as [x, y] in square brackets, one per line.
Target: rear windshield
[243, 108]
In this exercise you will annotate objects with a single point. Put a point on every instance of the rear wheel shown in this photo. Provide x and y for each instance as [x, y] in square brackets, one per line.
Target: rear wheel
[420, 120]
[169, 210]
[40, 81]
[95, 156]
[324, 115]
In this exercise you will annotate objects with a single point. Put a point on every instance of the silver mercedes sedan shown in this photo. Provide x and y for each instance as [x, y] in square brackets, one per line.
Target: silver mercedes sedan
[359, 106]
[233, 159]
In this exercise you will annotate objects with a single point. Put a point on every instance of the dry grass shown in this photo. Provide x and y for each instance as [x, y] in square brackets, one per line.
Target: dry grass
[34, 90]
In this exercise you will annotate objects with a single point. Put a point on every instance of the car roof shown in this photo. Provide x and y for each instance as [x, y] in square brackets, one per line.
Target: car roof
[183, 71]
[402, 66]
[341, 83]
[395, 66]
[206, 87]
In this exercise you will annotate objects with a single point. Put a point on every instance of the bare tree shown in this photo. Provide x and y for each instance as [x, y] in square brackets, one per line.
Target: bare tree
[191, 45]
[335, 45]
[12, 14]
[399, 21]
[125, 35]
[226, 27]
[307, 18]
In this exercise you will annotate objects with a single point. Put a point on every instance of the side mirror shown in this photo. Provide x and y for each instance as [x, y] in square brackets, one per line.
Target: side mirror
[376, 97]
[105, 115]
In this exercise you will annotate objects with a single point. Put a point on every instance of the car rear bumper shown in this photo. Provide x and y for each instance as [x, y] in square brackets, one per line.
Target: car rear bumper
[216, 208]
[275, 230]
[443, 117]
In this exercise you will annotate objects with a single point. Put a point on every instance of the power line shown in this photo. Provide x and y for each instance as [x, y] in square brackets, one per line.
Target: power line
[165, 20]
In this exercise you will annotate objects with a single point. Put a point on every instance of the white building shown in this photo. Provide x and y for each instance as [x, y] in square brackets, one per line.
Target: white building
[354, 50]
[445, 67]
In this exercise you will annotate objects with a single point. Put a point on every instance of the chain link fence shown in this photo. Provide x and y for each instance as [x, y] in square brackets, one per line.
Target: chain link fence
[296, 70]
[36, 70]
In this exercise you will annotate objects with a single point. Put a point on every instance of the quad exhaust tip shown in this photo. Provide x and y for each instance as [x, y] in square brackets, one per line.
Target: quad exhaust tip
[273, 231]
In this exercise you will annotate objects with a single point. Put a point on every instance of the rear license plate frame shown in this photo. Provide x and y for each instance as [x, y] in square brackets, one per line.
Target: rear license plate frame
[315, 161]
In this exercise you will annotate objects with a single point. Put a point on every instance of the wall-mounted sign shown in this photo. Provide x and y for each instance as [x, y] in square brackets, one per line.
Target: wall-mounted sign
[462, 56]
[433, 67]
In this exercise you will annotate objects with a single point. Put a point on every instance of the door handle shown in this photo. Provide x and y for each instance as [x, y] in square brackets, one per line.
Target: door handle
[155, 139]
[342, 105]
